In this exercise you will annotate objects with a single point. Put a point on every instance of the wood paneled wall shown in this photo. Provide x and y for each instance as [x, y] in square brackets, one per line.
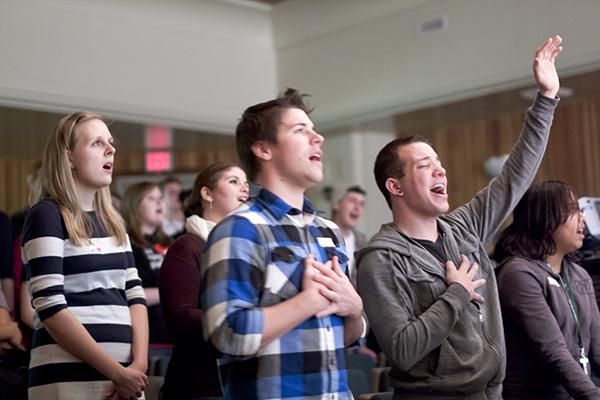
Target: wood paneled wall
[13, 183]
[572, 156]
[13, 170]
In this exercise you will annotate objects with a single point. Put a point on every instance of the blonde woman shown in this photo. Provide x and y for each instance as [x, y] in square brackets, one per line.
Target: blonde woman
[91, 328]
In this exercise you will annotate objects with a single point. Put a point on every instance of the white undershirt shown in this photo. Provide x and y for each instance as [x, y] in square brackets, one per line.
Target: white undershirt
[350, 240]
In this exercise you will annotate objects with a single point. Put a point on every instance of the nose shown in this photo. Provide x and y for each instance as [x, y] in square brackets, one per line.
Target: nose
[439, 170]
[317, 138]
[245, 187]
[111, 149]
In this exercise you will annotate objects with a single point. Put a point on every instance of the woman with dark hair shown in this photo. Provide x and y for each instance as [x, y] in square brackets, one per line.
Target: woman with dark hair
[551, 320]
[143, 211]
[192, 373]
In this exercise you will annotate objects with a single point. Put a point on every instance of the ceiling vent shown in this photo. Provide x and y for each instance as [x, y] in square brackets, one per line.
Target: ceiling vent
[432, 26]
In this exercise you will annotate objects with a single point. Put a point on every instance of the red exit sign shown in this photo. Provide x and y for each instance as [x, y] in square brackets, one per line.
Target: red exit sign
[158, 161]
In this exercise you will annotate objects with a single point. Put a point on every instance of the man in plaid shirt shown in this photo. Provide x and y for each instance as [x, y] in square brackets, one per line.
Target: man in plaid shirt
[278, 306]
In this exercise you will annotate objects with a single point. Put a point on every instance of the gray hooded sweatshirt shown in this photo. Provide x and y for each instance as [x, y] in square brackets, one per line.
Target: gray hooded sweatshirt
[439, 343]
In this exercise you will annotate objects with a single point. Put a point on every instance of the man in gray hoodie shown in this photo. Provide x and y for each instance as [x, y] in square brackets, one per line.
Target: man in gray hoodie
[439, 325]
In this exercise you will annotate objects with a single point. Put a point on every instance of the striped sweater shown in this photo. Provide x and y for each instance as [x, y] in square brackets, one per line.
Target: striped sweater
[96, 282]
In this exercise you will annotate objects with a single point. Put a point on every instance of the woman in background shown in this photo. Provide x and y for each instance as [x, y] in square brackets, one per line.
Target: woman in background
[192, 373]
[91, 327]
[143, 210]
[551, 319]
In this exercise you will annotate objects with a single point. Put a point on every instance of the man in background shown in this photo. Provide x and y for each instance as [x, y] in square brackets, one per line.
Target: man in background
[347, 208]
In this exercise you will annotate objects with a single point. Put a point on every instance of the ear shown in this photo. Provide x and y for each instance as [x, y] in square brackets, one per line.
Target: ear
[262, 150]
[393, 186]
[70, 159]
[206, 194]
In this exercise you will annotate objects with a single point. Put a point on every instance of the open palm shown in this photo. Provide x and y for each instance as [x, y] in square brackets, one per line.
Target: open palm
[544, 69]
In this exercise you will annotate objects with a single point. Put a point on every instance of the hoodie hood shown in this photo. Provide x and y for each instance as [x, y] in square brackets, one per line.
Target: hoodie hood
[199, 226]
[388, 238]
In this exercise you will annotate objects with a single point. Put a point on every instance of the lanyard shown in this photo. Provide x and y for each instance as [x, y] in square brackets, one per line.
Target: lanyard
[564, 281]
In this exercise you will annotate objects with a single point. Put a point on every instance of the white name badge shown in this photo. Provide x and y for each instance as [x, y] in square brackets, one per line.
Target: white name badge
[325, 242]
[553, 282]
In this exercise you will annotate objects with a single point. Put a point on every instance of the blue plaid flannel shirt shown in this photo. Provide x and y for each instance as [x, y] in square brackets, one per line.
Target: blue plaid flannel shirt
[254, 259]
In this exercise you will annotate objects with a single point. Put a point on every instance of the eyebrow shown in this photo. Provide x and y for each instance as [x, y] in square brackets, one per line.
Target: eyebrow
[427, 158]
[102, 137]
[294, 124]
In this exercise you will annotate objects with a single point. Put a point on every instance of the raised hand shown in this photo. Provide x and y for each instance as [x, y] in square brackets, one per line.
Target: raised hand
[465, 275]
[544, 69]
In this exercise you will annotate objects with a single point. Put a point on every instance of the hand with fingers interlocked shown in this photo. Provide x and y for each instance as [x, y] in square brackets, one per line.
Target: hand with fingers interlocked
[337, 288]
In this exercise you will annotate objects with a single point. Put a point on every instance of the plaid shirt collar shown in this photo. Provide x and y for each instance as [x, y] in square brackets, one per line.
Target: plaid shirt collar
[279, 208]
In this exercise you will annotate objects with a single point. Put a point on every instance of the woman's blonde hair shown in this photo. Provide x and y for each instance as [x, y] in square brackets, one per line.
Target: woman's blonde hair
[131, 202]
[57, 183]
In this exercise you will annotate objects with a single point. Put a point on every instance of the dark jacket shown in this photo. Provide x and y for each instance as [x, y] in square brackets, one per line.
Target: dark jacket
[541, 333]
[440, 344]
[192, 371]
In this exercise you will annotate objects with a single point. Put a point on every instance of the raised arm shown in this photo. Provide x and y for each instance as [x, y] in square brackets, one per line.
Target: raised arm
[489, 208]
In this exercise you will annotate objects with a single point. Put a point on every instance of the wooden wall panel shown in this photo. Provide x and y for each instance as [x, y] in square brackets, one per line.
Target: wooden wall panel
[13, 171]
[14, 190]
[572, 156]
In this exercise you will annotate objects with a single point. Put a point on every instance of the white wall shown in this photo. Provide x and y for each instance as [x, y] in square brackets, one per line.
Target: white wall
[192, 64]
[349, 155]
[199, 63]
[363, 60]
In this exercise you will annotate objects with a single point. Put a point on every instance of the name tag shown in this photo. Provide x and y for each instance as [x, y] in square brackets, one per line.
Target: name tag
[553, 282]
[325, 242]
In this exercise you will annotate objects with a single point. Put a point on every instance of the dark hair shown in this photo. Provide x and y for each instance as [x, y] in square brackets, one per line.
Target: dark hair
[168, 179]
[388, 163]
[208, 177]
[329, 192]
[260, 123]
[543, 208]
[356, 189]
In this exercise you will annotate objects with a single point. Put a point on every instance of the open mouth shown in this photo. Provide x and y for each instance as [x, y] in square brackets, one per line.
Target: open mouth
[439, 188]
[316, 157]
[243, 199]
[108, 166]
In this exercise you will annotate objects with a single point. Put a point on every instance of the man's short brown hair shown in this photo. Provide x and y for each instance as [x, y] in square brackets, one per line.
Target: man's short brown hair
[260, 123]
[388, 163]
